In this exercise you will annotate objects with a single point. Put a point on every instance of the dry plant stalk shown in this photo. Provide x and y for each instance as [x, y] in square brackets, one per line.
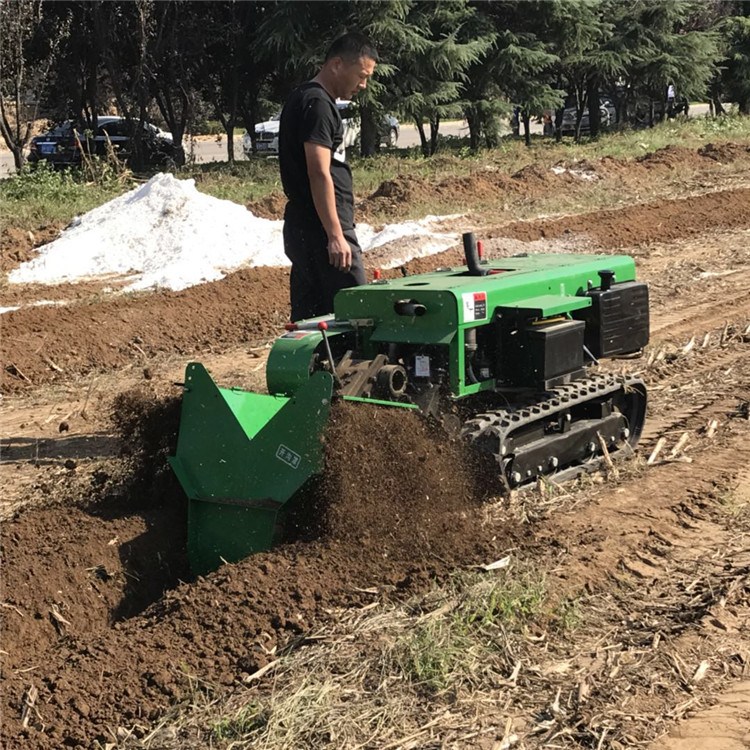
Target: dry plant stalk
[29, 707]
[660, 443]
[679, 445]
[607, 458]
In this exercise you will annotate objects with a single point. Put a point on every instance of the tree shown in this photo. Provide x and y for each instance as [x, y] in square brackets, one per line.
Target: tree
[123, 31]
[735, 68]
[172, 53]
[518, 63]
[590, 56]
[27, 52]
[432, 69]
[664, 46]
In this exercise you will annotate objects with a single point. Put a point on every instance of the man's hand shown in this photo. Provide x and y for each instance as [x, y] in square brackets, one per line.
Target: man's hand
[318, 160]
[339, 253]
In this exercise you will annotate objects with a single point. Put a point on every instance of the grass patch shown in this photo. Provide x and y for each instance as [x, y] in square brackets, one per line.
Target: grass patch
[380, 675]
[240, 182]
[249, 718]
[41, 195]
[446, 650]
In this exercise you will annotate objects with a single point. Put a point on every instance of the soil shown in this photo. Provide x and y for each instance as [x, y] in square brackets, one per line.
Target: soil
[105, 631]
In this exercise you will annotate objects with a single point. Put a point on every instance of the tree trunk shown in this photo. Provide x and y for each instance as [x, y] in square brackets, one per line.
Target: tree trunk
[526, 117]
[18, 157]
[558, 124]
[593, 106]
[434, 127]
[369, 140]
[475, 131]
[422, 137]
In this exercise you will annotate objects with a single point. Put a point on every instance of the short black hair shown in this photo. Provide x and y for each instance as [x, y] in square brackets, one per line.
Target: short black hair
[351, 47]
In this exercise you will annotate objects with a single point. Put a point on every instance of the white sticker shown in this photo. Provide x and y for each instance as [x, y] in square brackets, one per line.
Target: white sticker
[475, 306]
[422, 366]
[288, 456]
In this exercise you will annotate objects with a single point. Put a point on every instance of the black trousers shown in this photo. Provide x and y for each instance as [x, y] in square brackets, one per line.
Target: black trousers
[314, 281]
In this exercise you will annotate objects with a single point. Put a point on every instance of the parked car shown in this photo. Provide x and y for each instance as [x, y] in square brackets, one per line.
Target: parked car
[63, 145]
[390, 131]
[267, 133]
[607, 117]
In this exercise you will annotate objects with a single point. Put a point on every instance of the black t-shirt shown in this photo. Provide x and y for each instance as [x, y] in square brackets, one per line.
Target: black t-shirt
[310, 114]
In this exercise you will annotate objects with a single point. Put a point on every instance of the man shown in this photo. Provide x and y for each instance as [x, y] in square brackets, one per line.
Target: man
[319, 236]
[670, 100]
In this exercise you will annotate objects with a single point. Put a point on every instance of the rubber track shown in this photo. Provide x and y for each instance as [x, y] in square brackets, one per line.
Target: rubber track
[499, 424]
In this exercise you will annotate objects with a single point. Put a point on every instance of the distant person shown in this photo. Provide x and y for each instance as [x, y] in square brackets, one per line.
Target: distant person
[548, 128]
[515, 121]
[319, 236]
[670, 100]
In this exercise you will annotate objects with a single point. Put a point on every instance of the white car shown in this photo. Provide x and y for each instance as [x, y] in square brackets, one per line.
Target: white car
[267, 133]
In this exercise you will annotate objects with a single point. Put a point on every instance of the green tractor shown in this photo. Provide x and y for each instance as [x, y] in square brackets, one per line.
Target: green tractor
[502, 352]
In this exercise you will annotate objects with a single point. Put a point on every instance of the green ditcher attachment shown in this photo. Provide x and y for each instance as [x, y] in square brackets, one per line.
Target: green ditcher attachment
[237, 481]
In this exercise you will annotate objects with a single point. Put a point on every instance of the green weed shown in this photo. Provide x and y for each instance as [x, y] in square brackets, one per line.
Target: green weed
[250, 718]
[567, 615]
[510, 600]
[40, 195]
[433, 653]
[441, 652]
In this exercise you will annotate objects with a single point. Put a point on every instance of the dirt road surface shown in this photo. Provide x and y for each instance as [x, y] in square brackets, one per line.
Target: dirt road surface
[104, 630]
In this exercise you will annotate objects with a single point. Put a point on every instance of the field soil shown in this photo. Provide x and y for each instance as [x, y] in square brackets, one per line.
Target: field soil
[107, 639]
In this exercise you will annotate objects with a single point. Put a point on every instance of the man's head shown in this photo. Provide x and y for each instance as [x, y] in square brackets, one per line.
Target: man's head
[349, 64]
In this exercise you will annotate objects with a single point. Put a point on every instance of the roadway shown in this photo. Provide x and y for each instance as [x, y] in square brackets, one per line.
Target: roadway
[215, 149]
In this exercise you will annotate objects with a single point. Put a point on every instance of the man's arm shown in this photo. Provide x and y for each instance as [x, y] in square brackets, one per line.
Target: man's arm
[318, 158]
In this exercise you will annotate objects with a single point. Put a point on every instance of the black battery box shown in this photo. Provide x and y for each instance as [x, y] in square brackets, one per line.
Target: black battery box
[542, 354]
[617, 321]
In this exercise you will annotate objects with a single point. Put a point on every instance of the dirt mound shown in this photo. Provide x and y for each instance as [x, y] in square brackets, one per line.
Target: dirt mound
[270, 207]
[658, 221]
[393, 197]
[533, 176]
[392, 528]
[672, 157]
[18, 245]
[251, 305]
[478, 187]
[383, 494]
[724, 152]
[247, 306]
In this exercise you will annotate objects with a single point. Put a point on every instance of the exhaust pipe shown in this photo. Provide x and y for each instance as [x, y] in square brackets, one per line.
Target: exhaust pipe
[472, 255]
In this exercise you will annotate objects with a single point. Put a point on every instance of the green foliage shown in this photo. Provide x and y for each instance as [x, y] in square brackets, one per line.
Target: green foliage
[509, 601]
[663, 47]
[442, 650]
[250, 718]
[40, 194]
[432, 654]
[240, 60]
[735, 34]
[39, 183]
[567, 615]
[207, 127]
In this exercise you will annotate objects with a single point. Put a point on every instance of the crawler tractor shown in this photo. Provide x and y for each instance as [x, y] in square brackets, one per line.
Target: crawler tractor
[502, 352]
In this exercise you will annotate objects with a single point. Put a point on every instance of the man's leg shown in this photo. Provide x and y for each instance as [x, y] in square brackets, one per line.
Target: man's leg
[299, 247]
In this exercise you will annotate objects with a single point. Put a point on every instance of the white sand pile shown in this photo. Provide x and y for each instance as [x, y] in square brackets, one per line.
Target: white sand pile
[166, 234]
